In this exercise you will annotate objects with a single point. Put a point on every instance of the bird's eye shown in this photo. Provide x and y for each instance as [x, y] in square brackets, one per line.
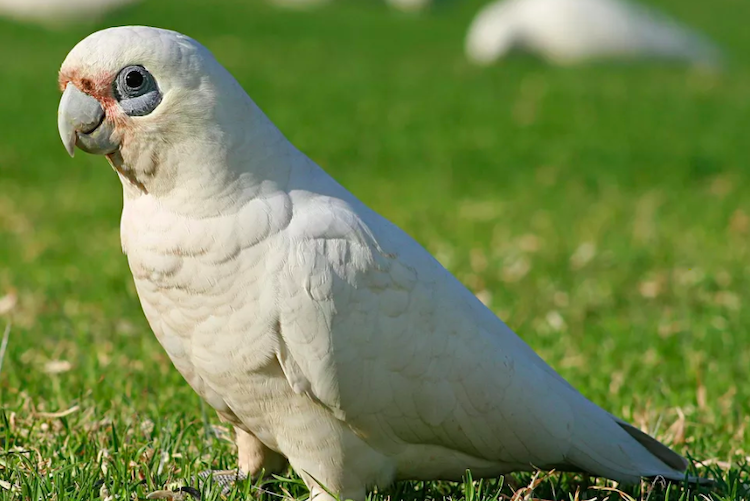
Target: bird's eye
[134, 79]
[136, 90]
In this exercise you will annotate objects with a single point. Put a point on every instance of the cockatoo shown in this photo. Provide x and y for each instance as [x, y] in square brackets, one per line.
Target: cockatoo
[326, 335]
[299, 4]
[573, 31]
[402, 5]
[409, 5]
[52, 12]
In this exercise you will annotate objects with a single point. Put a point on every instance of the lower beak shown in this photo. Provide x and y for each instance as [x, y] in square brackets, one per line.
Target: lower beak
[83, 123]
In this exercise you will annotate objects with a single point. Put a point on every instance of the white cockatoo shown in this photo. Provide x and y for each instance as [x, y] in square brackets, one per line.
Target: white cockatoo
[299, 4]
[52, 12]
[573, 31]
[409, 5]
[402, 5]
[326, 335]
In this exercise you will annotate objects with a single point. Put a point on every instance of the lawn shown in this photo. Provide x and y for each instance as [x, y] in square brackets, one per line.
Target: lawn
[602, 211]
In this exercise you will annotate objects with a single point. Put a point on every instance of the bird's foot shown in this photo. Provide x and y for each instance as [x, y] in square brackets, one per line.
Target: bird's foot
[224, 480]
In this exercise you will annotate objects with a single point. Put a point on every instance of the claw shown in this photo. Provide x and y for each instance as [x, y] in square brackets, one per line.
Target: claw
[223, 478]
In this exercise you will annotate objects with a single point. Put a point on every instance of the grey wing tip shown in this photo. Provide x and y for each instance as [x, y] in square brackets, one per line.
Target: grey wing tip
[666, 456]
[658, 449]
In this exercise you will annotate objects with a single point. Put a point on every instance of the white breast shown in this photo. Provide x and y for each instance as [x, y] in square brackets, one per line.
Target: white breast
[201, 285]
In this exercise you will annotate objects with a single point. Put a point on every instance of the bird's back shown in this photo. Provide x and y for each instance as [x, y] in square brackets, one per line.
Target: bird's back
[410, 359]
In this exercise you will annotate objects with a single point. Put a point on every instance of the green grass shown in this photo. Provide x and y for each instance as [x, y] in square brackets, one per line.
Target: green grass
[602, 210]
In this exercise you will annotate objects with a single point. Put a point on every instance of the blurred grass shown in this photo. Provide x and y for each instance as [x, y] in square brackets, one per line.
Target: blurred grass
[602, 211]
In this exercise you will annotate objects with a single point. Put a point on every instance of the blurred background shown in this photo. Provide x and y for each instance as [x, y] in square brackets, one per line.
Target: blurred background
[601, 209]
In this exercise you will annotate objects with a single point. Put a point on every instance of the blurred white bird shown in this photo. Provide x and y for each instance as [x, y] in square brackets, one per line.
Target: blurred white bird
[326, 335]
[51, 12]
[402, 5]
[572, 31]
[409, 5]
[299, 4]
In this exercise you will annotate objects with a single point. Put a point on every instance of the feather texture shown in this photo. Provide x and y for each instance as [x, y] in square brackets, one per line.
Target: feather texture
[322, 331]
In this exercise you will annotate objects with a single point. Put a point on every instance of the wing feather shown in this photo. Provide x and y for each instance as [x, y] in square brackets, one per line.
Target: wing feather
[403, 353]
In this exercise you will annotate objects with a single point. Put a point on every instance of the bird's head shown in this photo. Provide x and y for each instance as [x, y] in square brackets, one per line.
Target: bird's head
[159, 106]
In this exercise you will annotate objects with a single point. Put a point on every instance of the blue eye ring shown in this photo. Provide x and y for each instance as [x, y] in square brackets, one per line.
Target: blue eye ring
[136, 91]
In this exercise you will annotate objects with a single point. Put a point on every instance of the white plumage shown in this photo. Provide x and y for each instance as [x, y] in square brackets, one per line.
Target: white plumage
[402, 5]
[323, 332]
[299, 4]
[52, 12]
[409, 5]
[572, 31]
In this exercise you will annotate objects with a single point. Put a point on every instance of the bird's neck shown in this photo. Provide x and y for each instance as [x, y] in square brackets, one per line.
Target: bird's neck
[214, 174]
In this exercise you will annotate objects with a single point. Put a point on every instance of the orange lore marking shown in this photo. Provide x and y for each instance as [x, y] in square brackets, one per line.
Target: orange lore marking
[99, 88]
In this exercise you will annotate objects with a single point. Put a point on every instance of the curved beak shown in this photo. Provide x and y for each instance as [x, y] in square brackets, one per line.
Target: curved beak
[82, 122]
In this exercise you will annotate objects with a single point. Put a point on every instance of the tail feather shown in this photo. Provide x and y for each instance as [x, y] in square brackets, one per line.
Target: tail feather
[609, 447]
[664, 454]
[658, 449]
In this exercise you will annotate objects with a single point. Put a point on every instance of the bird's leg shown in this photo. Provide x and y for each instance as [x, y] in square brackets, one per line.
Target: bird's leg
[253, 459]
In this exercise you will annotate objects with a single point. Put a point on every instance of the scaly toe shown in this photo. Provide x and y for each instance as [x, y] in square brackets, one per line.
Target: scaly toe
[225, 479]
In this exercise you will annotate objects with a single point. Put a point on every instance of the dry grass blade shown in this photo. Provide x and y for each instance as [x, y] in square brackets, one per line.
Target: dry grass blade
[4, 345]
[8, 486]
[623, 495]
[170, 495]
[526, 493]
[59, 414]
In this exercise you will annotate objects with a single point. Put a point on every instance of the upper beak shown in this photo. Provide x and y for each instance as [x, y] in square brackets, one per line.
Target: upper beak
[82, 122]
